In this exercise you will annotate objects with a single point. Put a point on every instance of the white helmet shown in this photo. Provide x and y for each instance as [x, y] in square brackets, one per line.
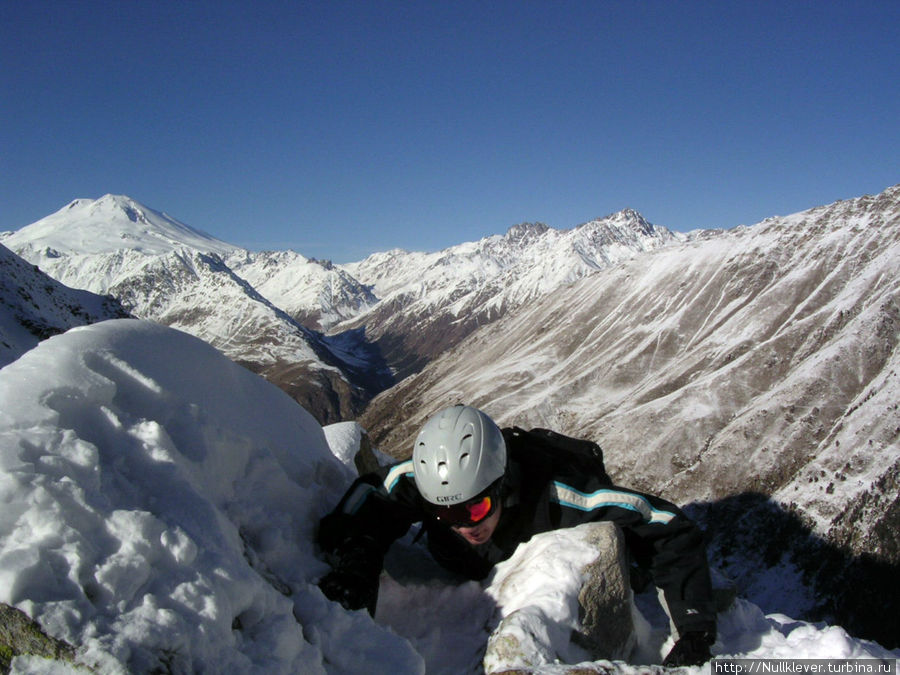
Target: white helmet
[458, 454]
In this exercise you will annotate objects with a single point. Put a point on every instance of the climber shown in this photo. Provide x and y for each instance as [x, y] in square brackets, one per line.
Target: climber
[480, 491]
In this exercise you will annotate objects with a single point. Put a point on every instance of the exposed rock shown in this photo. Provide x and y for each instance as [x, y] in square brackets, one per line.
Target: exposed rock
[21, 636]
[606, 627]
[365, 459]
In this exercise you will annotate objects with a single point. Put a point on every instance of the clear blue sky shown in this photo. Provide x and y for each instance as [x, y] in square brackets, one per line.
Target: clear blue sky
[342, 128]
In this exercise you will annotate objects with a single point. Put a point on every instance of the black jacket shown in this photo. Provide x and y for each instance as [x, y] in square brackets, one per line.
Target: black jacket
[538, 495]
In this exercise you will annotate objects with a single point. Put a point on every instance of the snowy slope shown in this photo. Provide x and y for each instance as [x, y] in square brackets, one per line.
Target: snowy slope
[159, 510]
[33, 307]
[430, 301]
[754, 372]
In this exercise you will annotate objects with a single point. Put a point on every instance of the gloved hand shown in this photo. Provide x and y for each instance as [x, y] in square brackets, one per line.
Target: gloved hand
[356, 560]
[692, 649]
[352, 590]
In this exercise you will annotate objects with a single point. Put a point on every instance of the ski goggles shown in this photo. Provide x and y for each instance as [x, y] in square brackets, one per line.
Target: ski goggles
[468, 513]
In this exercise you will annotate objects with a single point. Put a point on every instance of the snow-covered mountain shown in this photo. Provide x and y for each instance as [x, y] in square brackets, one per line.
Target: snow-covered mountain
[316, 293]
[33, 307]
[430, 301]
[163, 270]
[753, 371]
[106, 225]
[159, 515]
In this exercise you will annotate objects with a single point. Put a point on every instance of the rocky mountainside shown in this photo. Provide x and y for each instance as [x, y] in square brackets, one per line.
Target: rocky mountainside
[429, 302]
[34, 307]
[753, 373]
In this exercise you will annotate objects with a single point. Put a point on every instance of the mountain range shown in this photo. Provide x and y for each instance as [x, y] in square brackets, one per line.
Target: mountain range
[331, 336]
[750, 374]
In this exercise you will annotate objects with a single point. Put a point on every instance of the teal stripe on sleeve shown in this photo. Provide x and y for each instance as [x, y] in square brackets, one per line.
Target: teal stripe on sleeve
[575, 499]
[394, 475]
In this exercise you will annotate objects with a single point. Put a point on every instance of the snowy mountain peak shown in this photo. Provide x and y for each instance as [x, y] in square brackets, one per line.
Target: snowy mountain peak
[113, 205]
[624, 230]
[627, 219]
[111, 223]
[525, 232]
[76, 203]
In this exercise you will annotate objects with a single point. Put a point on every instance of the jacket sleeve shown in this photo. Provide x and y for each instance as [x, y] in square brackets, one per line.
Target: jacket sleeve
[660, 537]
[374, 512]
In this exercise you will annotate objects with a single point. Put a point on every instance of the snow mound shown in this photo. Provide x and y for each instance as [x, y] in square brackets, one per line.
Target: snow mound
[159, 504]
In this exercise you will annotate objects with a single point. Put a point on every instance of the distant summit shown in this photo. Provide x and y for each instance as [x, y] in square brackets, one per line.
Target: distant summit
[629, 220]
[108, 224]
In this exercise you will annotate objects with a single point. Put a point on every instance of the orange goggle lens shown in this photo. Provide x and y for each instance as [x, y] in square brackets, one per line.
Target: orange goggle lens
[465, 514]
[480, 509]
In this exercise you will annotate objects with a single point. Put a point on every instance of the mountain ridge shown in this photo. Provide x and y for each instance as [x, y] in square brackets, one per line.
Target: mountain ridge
[436, 299]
